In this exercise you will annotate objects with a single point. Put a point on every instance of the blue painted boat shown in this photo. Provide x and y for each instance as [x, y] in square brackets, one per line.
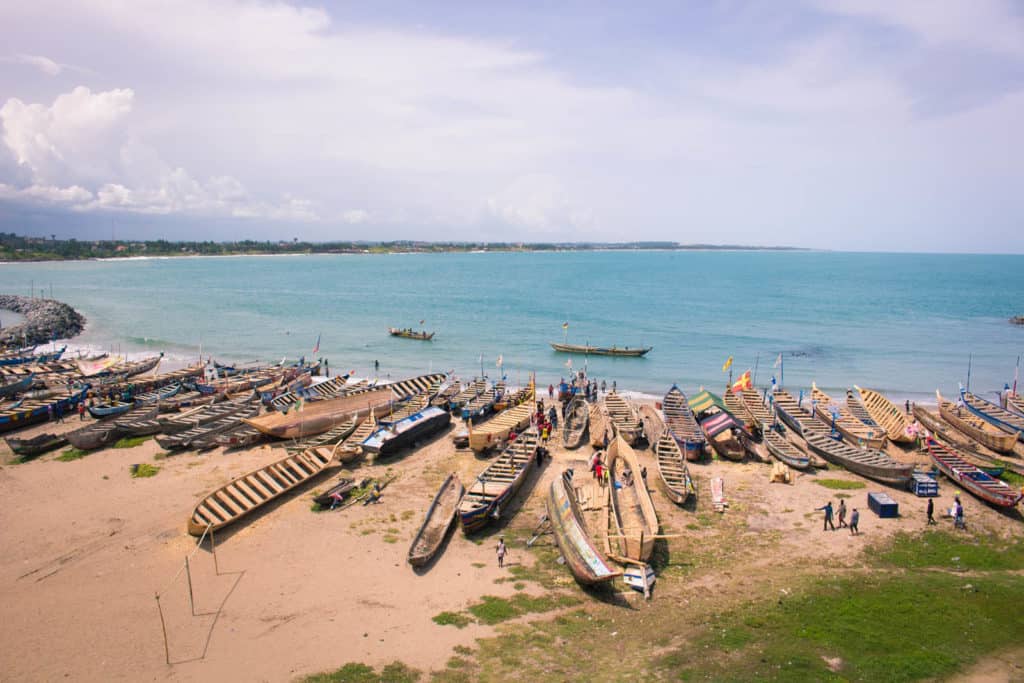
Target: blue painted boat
[490, 494]
[392, 436]
[682, 425]
[31, 411]
[110, 409]
[482, 405]
[994, 414]
[17, 386]
[39, 358]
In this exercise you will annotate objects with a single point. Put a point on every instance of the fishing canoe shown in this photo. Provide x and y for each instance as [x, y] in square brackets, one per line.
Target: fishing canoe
[495, 431]
[482, 404]
[600, 426]
[983, 432]
[37, 445]
[754, 404]
[316, 418]
[241, 496]
[498, 483]
[785, 452]
[721, 431]
[588, 565]
[100, 434]
[624, 418]
[868, 463]
[574, 424]
[30, 411]
[1008, 421]
[241, 436]
[34, 358]
[964, 445]
[351, 447]
[436, 522]
[842, 420]
[673, 474]
[1015, 403]
[601, 350]
[888, 416]
[393, 435]
[991, 490]
[468, 393]
[331, 436]
[109, 409]
[735, 405]
[202, 437]
[17, 386]
[682, 425]
[790, 412]
[316, 392]
[421, 335]
[635, 522]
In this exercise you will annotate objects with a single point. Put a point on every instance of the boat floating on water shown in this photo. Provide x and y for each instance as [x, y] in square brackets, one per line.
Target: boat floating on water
[601, 350]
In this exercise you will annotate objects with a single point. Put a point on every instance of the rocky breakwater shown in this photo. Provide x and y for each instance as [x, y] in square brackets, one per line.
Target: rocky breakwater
[45, 319]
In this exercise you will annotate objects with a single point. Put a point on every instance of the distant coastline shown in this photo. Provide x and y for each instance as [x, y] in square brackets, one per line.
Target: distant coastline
[16, 248]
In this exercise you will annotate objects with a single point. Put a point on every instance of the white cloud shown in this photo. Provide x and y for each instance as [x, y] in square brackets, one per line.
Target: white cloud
[355, 216]
[44, 64]
[47, 193]
[539, 204]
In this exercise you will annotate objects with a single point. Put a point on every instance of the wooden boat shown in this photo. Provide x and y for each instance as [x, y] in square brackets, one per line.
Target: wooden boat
[965, 446]
[331, 436]
[187, 399]
[446, 395]
[17, 386]
[574, 424]
[337, 494]
[318, 417]
[482, 404]
[634, 520]
[601, 432]
[790, 412]
[37, 445]
[436, 522]
[316, 392]
[734, 404]
[1014, 403]
[33, 358]
[601, 350]
[242, 436]
[468, 393]
[682, 425]
[1008, 421]
[351, 447]
[588, 565]
[673, 474]
[495, 431]
[201, 437]
[868, 463]
[991, 490]
[30, 411]
[200, 415]
[106, 432]
[888, 416]
[785, 452]
[241, 496]
[842, 420]
[755, 407]
[421, 335]
[61, 370]
[498, 483]
[721, 430]
[983, 432]
[109, 409]
[393, 435]
[624, 417]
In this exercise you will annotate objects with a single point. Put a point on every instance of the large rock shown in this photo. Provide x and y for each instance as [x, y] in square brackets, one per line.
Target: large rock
[1017, 320]
[45, 319]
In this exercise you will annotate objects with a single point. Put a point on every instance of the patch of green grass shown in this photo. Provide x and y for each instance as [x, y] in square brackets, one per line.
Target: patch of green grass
[388, 538]
[131, 441]
[1012, 478]
[72, 454]
[162, 455]
[479, 565]
[407, 515]
[941, 549]
[840, 484]
[144, 470]
[354, 672]
[463, 650]
[494, 610]
[456, 619]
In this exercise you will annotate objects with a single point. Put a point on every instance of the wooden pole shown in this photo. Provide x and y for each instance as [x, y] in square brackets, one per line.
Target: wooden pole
[163, 627]
[213, 549]
[188, 573]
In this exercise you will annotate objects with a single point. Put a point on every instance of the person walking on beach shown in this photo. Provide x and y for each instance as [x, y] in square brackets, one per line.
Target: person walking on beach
[551, 391]
[958, 514]
[81, 411]
[842, 513]
[553, 417]
[908, 406]
[854, 520]
[827, 508]
[604, 385]
[931, 512]
[49, 412]
[614, 386]
[502, 551]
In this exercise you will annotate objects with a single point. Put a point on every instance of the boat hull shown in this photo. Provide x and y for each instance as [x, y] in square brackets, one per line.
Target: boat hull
[601, 350]
[588, 565]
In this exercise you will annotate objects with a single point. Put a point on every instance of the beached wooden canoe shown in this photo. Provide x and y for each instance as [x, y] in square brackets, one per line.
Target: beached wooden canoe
[37, 445]
[978, 455]
[240, 436]
[437, 521]
[837, 415]
[33, 358]
[960, 471]
[394, 434]
[600, 426]
[109, 409]
[103, 433]
[17, 386]
[317, 392]
[889, 417]
[983, 432]
[624, 418]
[756, 408]
[869, 463]
[421, 335]
[673, 474]
[331, 436]
[30, 411]
[247, 493]
[735, 405]
[320, 416]
[601, 350]
[467, 394]
[574, 424]
[494, 432]
[1015, 403]
[482, 404]
[633, 517]
[681, 423]
[352, 448]
[790, 412]
[1008, 421]
[203, 436]
[490, 493]
[785, 452]
[588, 565]
[722, 432]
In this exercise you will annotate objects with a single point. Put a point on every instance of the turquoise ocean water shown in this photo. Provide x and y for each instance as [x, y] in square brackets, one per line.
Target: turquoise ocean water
[903, 323]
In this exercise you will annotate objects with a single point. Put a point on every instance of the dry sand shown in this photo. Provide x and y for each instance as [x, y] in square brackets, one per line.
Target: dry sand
[86, 548]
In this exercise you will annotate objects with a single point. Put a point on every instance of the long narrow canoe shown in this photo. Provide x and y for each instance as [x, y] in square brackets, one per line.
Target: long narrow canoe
[839, 417]
[784, 451]
[320, 416]
[331, 436]
[892, 419]
[1015, 403]
[202, 437]
[198, 416]
[633, 515]
[468, 393]
[574, 424]
[421, 335]
[964, 445]
[109, 409]
[600, 426]
[983, 432]
[587, 564]
[394, 434]
[673, 474]
[623, 416]
[735, 405]
[240, 436]
[601, 350]
[247, 493]
[496, 430]
[722, 432]
[17, 386]
[682, 425]
[868, 463]
[37, 445]
[317, 392]
[498, 483]
[755, 406]
[1008, 421]
[482, 404]
[100, 434]
[34, 358]
[790, 412]
[436, 523]
[963, 473]
[31, 411]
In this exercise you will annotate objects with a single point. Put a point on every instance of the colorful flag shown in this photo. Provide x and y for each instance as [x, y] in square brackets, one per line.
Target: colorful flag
[728, 364]
[316, 347]
[778, 361]
[500, 361]
[743, 382]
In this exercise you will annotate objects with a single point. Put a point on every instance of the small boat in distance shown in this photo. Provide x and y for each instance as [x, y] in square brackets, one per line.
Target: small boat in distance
[601, 350]
[409, 333]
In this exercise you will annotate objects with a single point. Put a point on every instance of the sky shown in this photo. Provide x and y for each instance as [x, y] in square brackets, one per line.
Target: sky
[847, 124]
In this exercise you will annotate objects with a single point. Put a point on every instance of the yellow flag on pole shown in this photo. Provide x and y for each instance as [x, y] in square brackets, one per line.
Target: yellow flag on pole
[728, 364]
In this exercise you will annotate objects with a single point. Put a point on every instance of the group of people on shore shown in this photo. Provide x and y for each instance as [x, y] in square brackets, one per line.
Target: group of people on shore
[829, 512]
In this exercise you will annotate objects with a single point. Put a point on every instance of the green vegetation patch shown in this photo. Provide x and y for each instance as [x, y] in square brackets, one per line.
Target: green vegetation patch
[144, 470]
[131, 441]
[355, 672]
[494, 610]
[1012, 478]
[944, 550]
[840, 484]
[456, 619]
[72, 454]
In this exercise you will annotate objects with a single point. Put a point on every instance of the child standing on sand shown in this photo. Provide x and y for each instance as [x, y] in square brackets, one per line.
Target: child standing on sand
[501, 550]
[854, 520]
